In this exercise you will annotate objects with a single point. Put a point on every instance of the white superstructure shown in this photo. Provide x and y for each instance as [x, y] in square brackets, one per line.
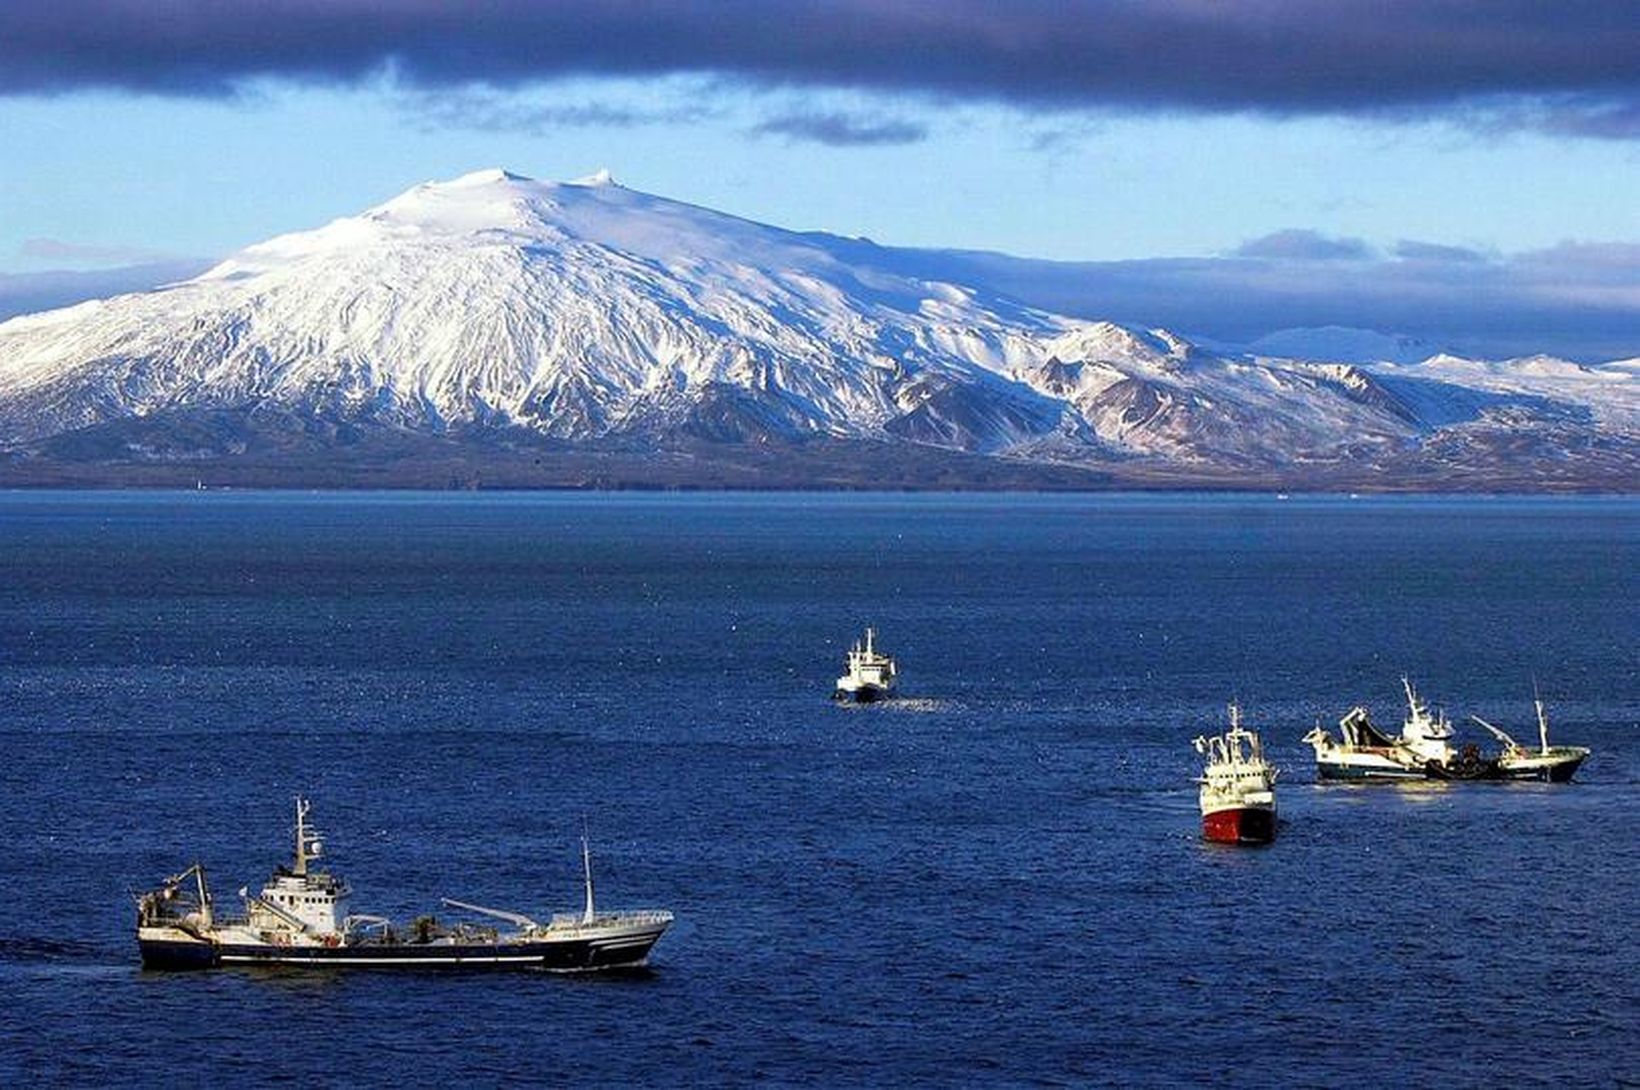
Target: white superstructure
[311, 903]
[870, 674]
[1426, 736]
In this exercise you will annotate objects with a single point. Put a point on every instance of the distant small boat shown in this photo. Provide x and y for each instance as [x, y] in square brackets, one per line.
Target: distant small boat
[870, 674]
[1238, 798]
[1549, 764]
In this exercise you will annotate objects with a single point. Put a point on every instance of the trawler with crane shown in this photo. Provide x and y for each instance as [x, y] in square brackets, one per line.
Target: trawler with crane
[1549, 764]
[301, 917]
[1364, 752]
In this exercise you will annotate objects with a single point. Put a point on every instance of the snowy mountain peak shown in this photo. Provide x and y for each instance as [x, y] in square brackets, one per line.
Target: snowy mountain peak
[1550, 366]
[500, 208]
[495, 305]
[599, 177]
[488, 176]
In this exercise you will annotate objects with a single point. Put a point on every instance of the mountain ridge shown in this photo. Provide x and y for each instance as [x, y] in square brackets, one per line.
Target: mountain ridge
[493, 309]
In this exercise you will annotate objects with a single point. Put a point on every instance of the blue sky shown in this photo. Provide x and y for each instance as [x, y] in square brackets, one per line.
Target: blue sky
[1442, 138]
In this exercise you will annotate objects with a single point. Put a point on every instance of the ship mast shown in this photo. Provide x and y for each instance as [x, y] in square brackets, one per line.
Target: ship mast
[206, 918]
[586, 870]
[1543, 720]
[306, 850]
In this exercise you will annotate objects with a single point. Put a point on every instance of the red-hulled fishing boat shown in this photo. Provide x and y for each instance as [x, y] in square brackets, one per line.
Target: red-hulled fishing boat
[1238, 797]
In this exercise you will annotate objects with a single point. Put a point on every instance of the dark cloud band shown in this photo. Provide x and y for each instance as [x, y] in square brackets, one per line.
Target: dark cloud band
[1277, 56]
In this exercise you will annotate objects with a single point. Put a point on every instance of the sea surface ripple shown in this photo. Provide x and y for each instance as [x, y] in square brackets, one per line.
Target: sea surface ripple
[997, 879]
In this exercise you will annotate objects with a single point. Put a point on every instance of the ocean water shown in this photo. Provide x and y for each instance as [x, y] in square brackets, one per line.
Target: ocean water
[997, 879]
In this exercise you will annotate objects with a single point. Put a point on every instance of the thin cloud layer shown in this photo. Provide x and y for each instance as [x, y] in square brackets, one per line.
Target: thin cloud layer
[840, 130]
[1304, 245]
[1413, 250]
[1572, 66]
[77, 253]
[481, 110]
[26, 293]
[1578, 300]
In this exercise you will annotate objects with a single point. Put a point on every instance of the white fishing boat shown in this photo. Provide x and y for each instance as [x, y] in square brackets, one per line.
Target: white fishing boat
[301, 917]
[869, 675]
[1238, 799]
[1550, 764]
[1364, 752]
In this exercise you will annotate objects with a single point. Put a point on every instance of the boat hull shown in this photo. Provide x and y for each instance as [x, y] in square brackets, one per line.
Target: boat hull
[1376, 768]
[1554, 771]
[579, 954]
[863, 694]
[1551, 771]
[1240, 825]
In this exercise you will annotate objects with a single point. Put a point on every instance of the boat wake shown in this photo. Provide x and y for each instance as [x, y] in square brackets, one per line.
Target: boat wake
[39, 949]
[910, 705]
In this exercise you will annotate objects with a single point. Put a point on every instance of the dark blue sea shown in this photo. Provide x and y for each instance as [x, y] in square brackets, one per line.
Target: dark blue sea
[995, 880]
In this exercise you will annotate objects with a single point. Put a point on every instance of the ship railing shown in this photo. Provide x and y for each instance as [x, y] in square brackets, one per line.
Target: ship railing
[571, 921]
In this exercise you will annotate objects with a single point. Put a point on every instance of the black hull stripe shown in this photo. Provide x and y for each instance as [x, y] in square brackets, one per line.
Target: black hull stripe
[572, 955]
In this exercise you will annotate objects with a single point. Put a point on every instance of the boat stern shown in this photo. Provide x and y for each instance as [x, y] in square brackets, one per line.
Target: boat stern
[172, 948]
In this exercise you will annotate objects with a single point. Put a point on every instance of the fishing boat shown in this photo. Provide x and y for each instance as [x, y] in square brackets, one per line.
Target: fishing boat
[1549, 764]
[869, 674]
[1365, 752]
[1238, 798]
[301, 917]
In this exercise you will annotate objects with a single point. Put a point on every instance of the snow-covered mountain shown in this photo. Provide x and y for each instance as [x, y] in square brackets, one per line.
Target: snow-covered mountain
[588, 315]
